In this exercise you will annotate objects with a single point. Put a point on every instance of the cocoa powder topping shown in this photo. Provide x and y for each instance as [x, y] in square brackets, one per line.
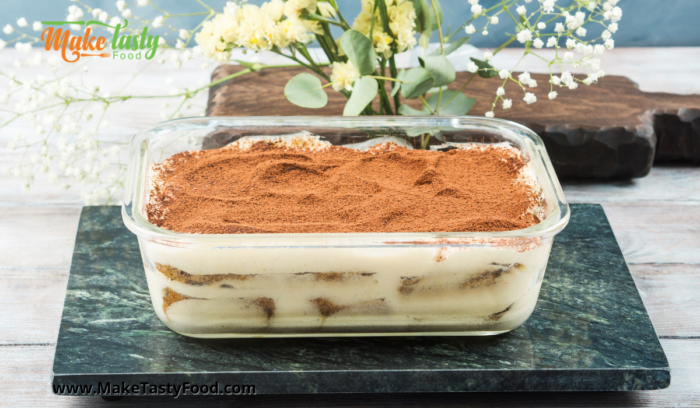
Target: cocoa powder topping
[269, 188]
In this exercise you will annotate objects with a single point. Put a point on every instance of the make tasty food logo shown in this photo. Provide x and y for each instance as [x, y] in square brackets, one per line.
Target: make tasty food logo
[86, 45]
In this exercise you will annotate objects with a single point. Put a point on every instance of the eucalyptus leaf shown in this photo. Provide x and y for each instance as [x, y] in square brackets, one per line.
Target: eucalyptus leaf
[434, 22]
[360, 51]
[397, 85]
[413, 132]
[409, 111]
[416, 82]
[451, 103]
[489, 70]
[363, 92]
[440, 68]
[452, 47]
[422, 15]
[436, 89]
[305, 90]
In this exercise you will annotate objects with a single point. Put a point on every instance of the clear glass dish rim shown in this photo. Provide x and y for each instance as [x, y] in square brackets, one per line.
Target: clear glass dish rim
[139, 225]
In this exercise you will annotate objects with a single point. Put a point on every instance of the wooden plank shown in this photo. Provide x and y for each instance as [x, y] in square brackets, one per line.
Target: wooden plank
[656, 232]
[24, 382]
[671, 295]
[664, 183]
[32, 303]
[37, 237]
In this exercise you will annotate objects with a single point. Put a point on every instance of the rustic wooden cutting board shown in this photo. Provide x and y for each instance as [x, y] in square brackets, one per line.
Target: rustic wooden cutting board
[607, 130]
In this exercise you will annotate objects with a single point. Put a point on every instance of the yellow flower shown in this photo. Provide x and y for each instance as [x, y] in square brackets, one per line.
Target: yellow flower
[344, 75]
[292, 8]
[402, 23]
[327, 10]
[274, 9]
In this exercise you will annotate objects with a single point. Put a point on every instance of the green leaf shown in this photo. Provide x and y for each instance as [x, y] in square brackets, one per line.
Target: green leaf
[433, 20]
[436, 89]
[490, 71]
[397, 85]
[459, 103]
[409, 111]
[452, 47]
[360, 51]
[440, 68]
[363, 92]
[422, 15]
[416, 82]
[305, 90]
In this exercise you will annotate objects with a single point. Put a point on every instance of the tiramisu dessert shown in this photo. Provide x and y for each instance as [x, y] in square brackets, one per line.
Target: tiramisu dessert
[298, 186]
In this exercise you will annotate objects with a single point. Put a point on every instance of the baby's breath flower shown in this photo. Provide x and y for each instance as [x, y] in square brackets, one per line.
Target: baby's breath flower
[494, 20]
[157, 22]
[507, 103]
[485, 32]
[612, 27]
[472, 67]
[538, 43]
[183, 34]
[524, 36]
[500, 91]
[489, 114]
[488, 56]
[559, 28]
[521, 10]
[3, 44]
[530, 98]
[8, 29]
[551, 42]
[142, 3]
[470, 29]
[22, 22]
[477, 10]
[126, 13]
[541, 26]
[532, 83]
[121, 5]
[504, 73]
[524, 78]
[609, 44]
[581, 32]
[344, 76]
[37, 26]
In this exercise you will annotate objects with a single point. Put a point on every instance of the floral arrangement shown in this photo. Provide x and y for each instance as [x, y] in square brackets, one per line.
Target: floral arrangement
[68, 118]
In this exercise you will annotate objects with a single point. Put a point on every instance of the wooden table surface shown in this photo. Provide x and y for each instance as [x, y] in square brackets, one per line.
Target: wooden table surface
[655, 219]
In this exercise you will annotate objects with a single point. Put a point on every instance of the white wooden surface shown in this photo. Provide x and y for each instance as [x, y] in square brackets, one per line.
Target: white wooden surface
[655, 219]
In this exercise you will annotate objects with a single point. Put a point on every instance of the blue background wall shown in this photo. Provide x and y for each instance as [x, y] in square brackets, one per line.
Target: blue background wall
[644, 22]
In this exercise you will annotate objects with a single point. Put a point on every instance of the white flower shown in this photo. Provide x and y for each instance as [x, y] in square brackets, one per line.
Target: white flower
[507, 103]
[470, 29]
[566, 77]
[570, 43]
[179, 44]
[158, 22]
[103, 17]
[183, 34]
[37, 26]
[126, 13]
[161, 42]
[488, 56]
[344, 76]
[551, 42]
[494, 20]
[504, 73]
[22, 22]
[96, 12]
[555, 80]
[530, 98]
[548, 6]
[581, 32]
[591, 5]
[591, 79]
[142, 3]
[524, 36]
[541, 26]
[521, 10]
[489, 114]
[121, 5]
[612, 27]
[327, 10]
[610, 44]
[598, 49]
[572, 85]
[8, 29]
[606, 35]
[477, 10]
[538, 43]
[532, 83]
[600, 73]
[559, 28]
[500, 91]
[524, 78]
[485, 32]
[472, 67]
[473, 2]
[552, 95]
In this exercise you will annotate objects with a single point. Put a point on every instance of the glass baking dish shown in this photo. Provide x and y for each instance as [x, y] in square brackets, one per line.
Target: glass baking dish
[341, 284]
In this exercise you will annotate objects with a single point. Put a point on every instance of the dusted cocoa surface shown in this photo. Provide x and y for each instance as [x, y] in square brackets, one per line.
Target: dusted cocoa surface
[273, 189]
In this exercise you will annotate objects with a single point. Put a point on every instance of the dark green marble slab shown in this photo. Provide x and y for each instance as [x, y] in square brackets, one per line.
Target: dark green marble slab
[589, 332]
